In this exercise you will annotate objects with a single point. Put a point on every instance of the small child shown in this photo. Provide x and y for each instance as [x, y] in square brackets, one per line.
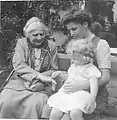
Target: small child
[81, 69]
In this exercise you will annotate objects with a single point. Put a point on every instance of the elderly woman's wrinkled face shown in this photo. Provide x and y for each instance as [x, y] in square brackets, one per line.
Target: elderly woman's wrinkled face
[36, 37]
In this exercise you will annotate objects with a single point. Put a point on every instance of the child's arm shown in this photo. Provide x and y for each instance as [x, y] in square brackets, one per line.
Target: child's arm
[93, 81]
[89, 105]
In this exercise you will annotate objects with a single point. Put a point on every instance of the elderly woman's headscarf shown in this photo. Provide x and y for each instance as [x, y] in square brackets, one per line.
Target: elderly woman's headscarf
[34, 23]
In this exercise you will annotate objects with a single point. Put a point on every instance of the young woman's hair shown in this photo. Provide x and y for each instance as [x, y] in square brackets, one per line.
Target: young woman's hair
[77, 16]
[96, 28]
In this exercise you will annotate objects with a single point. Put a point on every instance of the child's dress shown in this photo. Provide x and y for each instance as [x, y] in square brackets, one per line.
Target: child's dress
[66, 102]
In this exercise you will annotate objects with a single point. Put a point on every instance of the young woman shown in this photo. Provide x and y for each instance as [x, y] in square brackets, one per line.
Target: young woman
[78, 22]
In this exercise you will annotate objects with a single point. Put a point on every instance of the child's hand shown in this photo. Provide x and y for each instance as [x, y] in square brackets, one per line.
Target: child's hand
[53, 81]
[53, 85]
[56, 74]
[90, 105]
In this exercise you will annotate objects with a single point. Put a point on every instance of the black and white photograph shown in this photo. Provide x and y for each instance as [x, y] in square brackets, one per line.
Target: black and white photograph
[58, 59]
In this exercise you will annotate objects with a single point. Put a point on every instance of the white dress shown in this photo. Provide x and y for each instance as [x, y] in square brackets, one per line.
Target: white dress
[67, 102]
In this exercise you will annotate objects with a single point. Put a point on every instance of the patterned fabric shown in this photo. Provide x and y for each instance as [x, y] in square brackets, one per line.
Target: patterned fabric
[37, 58]
[38, 61]
[103, 54]
[41, 59]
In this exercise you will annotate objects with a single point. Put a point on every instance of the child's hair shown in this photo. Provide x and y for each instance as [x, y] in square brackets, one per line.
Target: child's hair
[84, 48]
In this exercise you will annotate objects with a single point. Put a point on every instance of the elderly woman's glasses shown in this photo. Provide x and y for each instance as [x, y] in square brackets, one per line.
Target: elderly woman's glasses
[38, 34]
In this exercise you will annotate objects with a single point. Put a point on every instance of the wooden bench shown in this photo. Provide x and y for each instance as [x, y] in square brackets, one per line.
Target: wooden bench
[64, 61]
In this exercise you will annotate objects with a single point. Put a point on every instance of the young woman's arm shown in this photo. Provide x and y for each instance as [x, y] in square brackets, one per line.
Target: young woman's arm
[104, 62]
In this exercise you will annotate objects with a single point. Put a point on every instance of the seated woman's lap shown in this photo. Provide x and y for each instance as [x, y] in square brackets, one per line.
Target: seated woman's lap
[21, 104]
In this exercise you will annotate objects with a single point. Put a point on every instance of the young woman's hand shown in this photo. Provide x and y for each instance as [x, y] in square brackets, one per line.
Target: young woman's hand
[73, 86]
[68, 86]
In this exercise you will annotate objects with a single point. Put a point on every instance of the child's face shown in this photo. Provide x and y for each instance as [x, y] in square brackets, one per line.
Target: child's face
[78, 59]
[81, 52]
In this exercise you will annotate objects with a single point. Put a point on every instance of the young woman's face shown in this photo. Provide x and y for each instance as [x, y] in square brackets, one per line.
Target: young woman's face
[36, 37]
[76, 30]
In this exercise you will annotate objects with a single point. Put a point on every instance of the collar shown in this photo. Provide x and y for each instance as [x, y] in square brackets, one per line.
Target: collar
[43, 45]
[89, 39]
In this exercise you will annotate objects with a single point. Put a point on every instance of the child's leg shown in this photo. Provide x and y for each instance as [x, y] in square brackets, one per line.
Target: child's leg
[76, 114]
[55, 114]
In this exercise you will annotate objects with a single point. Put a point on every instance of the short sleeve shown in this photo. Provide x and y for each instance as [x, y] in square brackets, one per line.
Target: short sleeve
[71, 68]
[71, 71]
[103, 54]
[92, 70]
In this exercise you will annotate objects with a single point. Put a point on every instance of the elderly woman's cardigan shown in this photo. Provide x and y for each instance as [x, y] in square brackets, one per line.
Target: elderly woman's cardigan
[23, 62]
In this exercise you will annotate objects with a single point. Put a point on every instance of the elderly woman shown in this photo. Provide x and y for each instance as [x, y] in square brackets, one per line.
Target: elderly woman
[34, 61]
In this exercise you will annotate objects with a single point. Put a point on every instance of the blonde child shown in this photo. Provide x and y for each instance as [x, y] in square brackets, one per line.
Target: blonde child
[82, 68]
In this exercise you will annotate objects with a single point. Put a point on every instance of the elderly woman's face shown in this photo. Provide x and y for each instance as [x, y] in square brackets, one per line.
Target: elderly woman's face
[36, 37]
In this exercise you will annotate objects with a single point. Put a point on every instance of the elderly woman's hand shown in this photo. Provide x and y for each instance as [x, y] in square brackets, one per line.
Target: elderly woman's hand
[44, 78]
[56, 74]
[61, 74]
